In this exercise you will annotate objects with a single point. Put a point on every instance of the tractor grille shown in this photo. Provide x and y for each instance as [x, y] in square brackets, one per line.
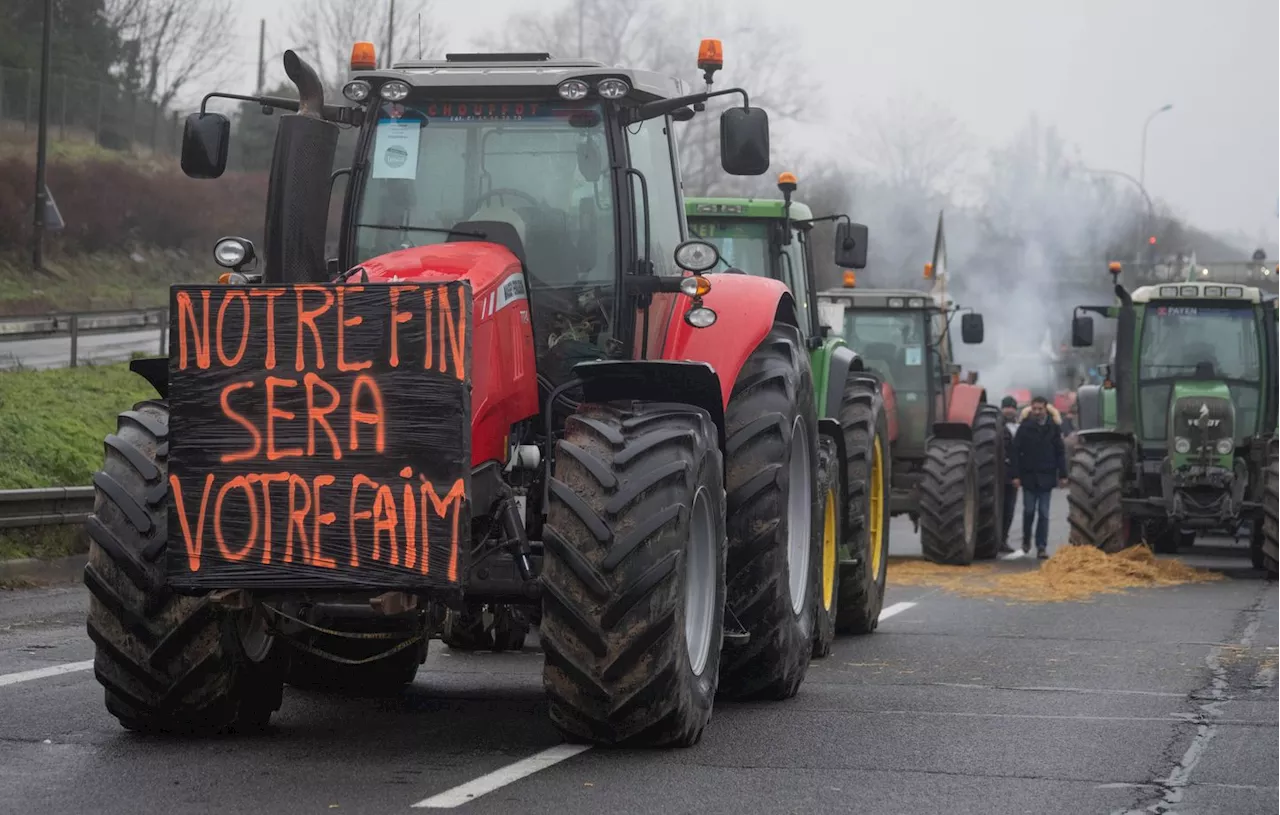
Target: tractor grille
[1203, 420]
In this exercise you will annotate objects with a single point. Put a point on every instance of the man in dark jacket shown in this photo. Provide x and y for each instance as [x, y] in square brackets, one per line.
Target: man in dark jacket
[1009, 416]
[1039, 461]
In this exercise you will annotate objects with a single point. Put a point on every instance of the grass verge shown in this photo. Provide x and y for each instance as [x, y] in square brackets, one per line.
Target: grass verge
[52, 424]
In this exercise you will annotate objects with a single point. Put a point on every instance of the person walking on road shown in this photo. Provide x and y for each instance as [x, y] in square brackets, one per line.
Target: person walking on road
[1039, 460]
[1009, 411]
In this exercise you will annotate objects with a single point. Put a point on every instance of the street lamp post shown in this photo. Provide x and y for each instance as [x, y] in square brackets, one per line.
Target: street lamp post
[42, 139]
[1145, 197]
[1142, 169]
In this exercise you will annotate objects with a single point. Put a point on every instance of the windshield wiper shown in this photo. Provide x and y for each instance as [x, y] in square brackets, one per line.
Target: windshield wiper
[439, 229]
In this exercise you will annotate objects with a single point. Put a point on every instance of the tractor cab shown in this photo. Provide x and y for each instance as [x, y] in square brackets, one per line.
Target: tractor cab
[774, 238]
[904, 336]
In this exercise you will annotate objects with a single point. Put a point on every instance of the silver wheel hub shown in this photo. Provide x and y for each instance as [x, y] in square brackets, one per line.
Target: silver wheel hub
[799, 516]
[700, 582]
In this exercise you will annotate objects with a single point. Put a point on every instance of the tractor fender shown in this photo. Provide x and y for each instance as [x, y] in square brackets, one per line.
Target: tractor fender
[1105, 435]
[890, 409]
[960, 431]
[841, 361]
[746, 308]
[155, 370]
[655, 380]
[1089, 405]
[831, 429]
[964, 401]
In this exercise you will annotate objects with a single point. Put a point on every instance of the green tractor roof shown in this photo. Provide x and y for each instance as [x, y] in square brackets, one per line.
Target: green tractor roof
[745, 208]
[1200, 290]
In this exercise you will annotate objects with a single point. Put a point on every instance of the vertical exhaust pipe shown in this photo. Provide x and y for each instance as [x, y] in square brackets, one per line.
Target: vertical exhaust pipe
[1125, 376]
[298, 189]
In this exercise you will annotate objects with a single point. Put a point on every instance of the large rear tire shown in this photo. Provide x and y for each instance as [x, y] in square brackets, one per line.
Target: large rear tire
[1094, 510]
[773, 508]
[949, 502]
[1270, 551]
[867, 472]
[989, 438]
[169, 663]
[634, 575]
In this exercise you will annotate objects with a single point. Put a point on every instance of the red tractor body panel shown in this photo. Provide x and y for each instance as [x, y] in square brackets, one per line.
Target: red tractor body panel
[504, 387]
[745, 307]
[890, 409]
[962, 406]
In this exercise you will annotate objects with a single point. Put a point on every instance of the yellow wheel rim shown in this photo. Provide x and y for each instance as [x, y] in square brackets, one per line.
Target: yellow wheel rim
[829, 544]
[875, 525]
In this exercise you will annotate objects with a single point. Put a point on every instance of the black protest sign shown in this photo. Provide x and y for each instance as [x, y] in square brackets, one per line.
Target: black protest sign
[319, 436]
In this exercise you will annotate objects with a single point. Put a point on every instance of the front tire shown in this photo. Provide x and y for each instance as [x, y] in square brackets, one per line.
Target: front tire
[168, 663]
[866, 440]
[989, 438]
[1094, 509]
[949, 502]
[771, 463]
[634, 575]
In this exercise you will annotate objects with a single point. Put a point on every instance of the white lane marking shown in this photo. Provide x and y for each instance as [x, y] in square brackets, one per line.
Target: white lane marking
[896, 608]
[41, 673]
[501, 777]
[525, 767]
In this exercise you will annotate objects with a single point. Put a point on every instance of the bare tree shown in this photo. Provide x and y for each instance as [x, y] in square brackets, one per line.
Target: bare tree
[623, 32]
[328, 28]
[911, 143]
[171, 42]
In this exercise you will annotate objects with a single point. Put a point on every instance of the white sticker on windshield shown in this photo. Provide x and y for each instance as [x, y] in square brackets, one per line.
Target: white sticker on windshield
[914, 356]
[395, 151]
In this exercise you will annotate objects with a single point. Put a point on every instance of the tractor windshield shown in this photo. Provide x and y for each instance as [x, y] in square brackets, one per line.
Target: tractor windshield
[541, 167]
[893, 343]
[743, 244]
[1199, 342]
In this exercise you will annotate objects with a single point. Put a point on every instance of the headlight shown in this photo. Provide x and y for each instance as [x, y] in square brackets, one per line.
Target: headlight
[357, 90]
[895, 302]
[231, 252]
[612, 88]
[1226, 446]
[696, 256]
[916, 302]
[701, 317]
[573, 90]
[1181, 445]
[394, 91]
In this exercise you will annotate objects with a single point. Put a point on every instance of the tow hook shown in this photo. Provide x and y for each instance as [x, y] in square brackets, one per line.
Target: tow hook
[392, 603]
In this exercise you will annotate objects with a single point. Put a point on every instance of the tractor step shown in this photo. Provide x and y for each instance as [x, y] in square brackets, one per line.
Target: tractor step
[736, 638]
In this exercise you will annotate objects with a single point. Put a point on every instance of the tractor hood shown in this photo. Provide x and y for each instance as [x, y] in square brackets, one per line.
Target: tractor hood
[479, 262]
[1201, 424]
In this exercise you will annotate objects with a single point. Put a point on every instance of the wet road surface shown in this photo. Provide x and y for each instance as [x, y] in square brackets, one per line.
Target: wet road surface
[1157, 700]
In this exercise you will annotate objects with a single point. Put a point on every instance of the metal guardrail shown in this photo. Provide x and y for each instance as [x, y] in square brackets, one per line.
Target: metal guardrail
[74, 324]
[49, 506]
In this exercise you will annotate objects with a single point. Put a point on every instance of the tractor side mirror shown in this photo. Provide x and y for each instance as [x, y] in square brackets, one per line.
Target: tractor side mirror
[1082, 331]
[205, 138]
[971, 329]
[851, 245]
[744, 141]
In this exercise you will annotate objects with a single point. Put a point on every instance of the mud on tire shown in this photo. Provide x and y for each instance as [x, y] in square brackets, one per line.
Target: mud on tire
[634, 554]
[1094, 511]
[948, 502]
[167, 662]
[989, 438]
[863, 420]
[771, 404]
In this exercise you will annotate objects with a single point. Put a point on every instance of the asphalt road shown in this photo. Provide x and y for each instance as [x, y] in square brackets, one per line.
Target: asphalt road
[55, 352]
[1158, 700]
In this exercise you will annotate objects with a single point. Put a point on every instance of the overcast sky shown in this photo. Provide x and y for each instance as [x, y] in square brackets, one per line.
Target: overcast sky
[1094, 68]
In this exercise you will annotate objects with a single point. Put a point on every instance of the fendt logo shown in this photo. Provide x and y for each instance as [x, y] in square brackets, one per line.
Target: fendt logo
[1204, 421]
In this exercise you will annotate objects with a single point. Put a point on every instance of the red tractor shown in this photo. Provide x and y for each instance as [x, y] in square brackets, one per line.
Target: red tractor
[513, 393]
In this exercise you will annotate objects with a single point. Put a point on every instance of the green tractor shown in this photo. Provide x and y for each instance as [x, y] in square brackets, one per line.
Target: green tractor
[1181, 438]
[773, 238]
